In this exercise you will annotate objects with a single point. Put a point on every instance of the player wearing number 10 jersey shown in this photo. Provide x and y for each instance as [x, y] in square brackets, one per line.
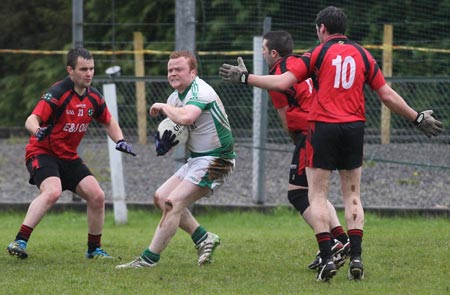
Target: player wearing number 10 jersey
[336, 132]
[342, 68]
[336, 125]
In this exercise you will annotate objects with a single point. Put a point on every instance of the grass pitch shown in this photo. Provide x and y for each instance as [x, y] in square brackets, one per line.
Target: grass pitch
[260, 254]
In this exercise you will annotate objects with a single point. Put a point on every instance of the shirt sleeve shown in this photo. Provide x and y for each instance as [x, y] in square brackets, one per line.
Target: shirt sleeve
[376, 77]
[105, 116]
[279, 99]
[199, 104]
[43, 110]
[102, 115]
[299, 68]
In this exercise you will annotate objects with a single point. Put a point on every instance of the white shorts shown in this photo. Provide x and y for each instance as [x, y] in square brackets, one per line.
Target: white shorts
[206, 171]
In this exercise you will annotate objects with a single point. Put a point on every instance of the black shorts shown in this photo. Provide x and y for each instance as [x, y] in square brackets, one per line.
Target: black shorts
[333, 146]
[297, 173]
[71, 172]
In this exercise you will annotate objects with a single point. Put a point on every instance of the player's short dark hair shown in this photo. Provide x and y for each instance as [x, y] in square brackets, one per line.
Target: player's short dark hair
[192, 60]
[334, 19]
[74, 53]
[281, 41]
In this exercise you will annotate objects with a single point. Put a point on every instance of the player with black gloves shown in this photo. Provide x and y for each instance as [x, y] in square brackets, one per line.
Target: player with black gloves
[57, 126]
[194, 103]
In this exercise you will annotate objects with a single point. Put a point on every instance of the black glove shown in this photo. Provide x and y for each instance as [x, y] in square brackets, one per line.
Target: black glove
[165, 143]
[125, 147]
[426, 123]
[42, 132]
[237, 73]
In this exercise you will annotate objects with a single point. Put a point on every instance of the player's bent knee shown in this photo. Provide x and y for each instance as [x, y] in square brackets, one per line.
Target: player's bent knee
[159, 200]
[156, 201]
[168, 206]
[53, 196]
[299, 199]
[97, 199]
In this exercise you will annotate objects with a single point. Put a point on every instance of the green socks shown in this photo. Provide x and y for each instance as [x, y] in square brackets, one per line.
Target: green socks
[199, 235]
[150, 257]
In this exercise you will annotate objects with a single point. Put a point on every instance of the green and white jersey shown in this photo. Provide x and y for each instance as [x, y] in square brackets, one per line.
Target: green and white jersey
[210, 135]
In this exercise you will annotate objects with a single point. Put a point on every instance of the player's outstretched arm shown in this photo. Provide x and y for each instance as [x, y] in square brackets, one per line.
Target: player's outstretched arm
[239, 74]
[424, 121]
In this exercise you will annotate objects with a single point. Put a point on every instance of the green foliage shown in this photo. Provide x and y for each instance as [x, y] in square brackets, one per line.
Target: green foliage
[221, 25]
[44, 25]
[259, 254]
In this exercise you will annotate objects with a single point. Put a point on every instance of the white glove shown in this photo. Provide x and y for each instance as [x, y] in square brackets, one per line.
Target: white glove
[238, 74]
[426, 123]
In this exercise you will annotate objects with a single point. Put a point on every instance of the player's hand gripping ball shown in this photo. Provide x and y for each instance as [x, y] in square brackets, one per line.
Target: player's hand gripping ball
[168, 135]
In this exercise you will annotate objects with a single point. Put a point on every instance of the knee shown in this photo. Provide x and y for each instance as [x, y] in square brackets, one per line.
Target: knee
[158, 201]
[172, 206]
[97, 199]
[168, 206]
[52, 195]
[299, 199]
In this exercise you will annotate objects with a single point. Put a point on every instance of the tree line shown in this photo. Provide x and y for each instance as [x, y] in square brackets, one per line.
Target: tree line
[221, 25]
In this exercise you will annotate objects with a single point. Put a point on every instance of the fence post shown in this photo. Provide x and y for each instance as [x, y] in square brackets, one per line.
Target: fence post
[77, 23]
[77, 41]
[260, 99]
[141, 106]
[115, 161]
[387, 72]
[185, 21]
[259, 127]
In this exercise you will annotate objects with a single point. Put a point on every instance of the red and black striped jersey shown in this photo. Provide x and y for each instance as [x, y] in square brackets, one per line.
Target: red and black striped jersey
[298, 98]
[341, 68]
[70, 115]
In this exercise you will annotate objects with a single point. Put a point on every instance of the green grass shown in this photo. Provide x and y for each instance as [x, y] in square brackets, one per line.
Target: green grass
[260, 254]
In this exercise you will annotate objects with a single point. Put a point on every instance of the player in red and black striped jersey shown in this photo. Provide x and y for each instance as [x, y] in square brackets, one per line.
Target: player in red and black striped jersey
[69, 115]
[293, 109]
[336, 128]
[57, 125]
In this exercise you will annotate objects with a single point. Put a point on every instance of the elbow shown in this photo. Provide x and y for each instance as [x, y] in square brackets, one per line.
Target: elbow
[31, 119]
[284, 88]
[186, 121]
[182, 120]
[385, 100]
[285, 85]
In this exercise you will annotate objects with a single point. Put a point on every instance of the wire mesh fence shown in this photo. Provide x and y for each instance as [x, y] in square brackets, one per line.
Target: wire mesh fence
[420, 93]
[409, 171]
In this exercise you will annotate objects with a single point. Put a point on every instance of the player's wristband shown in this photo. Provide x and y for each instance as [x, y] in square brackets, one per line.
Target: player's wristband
[419, 118]
[244, 77]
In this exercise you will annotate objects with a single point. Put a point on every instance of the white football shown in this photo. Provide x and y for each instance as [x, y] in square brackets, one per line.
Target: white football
[181, 131]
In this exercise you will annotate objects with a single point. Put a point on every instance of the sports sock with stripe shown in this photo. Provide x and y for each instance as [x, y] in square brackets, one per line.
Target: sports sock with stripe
[24, 233]
[199, 235]
[150, 257]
